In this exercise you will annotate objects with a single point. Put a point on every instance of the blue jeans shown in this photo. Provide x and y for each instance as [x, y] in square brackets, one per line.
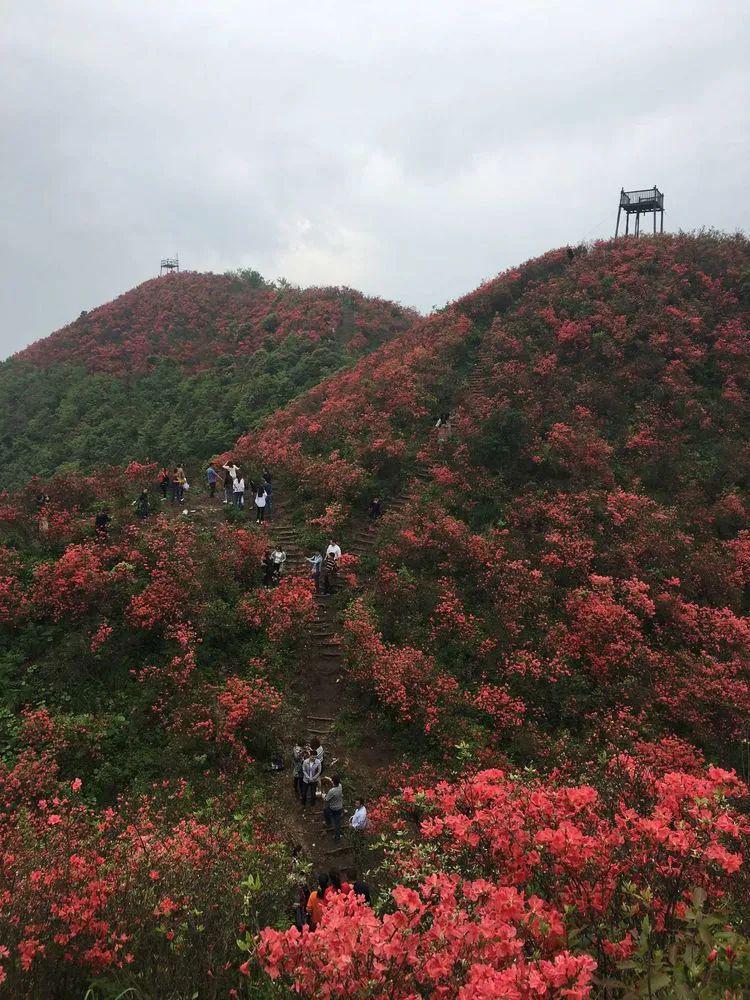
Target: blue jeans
[239, 499]
[333, 817]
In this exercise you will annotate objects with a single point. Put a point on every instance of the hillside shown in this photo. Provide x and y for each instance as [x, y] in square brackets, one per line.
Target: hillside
[535, 667]
[176, 367]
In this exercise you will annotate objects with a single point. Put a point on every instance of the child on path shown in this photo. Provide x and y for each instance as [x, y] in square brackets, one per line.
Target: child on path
[164, 482]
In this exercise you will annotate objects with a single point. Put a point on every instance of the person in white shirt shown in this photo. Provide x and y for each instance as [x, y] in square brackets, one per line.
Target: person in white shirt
[278, 561]
[239, 492]
[358, 819]
[311, 769]
[232, 469]
[334, 549]
[260, 504]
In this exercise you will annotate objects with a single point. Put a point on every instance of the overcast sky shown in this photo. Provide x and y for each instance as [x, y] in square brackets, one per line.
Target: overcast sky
[408, 149]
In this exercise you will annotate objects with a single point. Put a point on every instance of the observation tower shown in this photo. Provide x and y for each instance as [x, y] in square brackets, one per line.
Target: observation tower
[169, 264]
[640, 203]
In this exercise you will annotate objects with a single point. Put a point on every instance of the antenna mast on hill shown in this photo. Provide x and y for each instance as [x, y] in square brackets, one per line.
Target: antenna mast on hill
[640, 203]
[169, 264]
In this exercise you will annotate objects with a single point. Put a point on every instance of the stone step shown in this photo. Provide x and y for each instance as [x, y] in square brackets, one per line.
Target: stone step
[338, 851]
[318, 732]
[321, 718]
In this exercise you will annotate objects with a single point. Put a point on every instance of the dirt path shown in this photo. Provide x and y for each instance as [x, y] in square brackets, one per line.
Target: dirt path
[328, 701]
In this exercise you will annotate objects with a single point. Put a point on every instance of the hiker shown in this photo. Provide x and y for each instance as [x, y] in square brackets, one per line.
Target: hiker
[359, 819]
[164, 483]
[328, 573]
[238, 492]
[178, 481]
[261, 498]
[299, 907]
[316, 901]
[311, 769]
[336, 884]
[141, 504]
[444, 432]
[269, 497]
[374, 511]
[232, 469]
[297, 760]
[42, 501]
[361, 888]
[212, 477]
[278, 561]
[101, 525]
[334, 549]
[316, 561]
[266, 476]
[228, 487]
[268, 566]
[333, 807]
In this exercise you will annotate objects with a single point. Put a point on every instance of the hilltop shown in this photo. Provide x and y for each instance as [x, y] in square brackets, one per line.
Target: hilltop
[176, 367]
[535, 666]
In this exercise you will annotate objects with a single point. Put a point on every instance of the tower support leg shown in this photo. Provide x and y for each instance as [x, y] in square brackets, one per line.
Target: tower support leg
[617, 227]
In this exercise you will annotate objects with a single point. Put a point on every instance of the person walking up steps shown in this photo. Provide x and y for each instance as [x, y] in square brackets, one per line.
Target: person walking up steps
[261, 498]
[311, 769]
[211, 478]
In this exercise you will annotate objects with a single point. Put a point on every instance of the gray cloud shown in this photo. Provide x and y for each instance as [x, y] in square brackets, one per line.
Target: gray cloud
[409, 149]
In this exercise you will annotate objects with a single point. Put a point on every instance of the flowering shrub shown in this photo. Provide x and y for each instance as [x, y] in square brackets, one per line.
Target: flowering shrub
[282, 612]
[446, 938]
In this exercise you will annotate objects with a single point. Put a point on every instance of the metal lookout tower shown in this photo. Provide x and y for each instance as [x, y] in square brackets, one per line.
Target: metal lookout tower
[169, 264]
[640, 203]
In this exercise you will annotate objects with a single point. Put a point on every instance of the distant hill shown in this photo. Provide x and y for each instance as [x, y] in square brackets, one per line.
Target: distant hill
[175, 368]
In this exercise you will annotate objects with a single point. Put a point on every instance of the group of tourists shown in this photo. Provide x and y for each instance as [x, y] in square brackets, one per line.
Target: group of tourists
[308, 783]
[173, 484]
[310, 906]
[235, 488]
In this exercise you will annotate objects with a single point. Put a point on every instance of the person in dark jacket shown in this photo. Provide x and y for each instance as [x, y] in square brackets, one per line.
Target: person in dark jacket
[101, 525]
[141, 504]
[374, 511]
[165, 482]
